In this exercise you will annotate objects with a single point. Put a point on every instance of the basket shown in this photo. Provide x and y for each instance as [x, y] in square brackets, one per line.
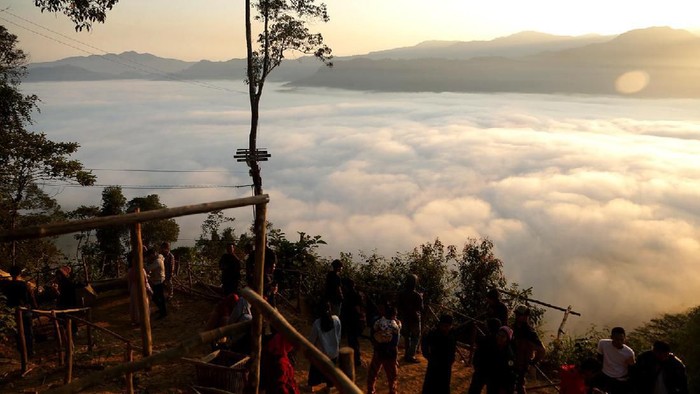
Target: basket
[222, 370]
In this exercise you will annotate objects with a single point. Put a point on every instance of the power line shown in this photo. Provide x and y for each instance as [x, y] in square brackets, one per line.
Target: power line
[161, 170]
[155, 71]
[151, 187]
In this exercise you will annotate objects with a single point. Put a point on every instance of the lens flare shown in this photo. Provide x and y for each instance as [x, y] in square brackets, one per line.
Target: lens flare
[632, 82]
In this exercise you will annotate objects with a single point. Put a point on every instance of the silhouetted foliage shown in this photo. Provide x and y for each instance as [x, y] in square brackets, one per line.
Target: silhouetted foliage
[28, 159]
[83, 13]
[154, 232]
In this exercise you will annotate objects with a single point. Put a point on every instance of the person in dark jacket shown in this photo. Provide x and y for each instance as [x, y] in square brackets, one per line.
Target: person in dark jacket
[334, 287]
[483, 355]
[527, 345]
[19, 294]
[659, 371]
[410, 306]
[502, 373]
[230, 265]
[352, 317]
[439, 347]
[496, 308]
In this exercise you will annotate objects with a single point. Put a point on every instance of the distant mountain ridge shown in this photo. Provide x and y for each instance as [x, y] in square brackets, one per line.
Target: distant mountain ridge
[527, 62]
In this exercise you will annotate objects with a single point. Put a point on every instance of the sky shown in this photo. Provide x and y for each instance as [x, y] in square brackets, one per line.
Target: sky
[611, 231]
[213, 29]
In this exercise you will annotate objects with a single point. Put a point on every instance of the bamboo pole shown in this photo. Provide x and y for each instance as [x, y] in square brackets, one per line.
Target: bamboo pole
[560, 331]
[128, 219]
[141, 296]
[538, 302]
[69, 351]
[129, 357]
[88, 323]
[22, 341]
[258, 279]
[236, 331]
[318, 359]
[59, 340]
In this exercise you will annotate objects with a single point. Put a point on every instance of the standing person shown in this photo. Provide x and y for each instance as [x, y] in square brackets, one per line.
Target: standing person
[133, 285]
[439, 347]
[230, 266]
[484, 356]
[67, 295]
[658, 371]
[410, 304]
[353, 317]
[169, 264]
[502, 373]
[334, 289]
[617, 358]
[385, 338]
[325, 335]
[496, 308]
[19, 294]
[156, 276]
[529, 350]
[276, 369]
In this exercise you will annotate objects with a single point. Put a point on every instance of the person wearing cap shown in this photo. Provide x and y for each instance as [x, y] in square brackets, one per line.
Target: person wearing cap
[439, 347]
[617, 359]
[659, 371]
[528, 347]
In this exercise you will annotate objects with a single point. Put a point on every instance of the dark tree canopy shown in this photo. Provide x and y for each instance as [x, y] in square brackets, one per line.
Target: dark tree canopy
[82, 12]
[27, 159]
[156, 231]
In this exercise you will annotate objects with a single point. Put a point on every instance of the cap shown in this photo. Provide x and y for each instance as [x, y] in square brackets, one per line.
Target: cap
[522, 310]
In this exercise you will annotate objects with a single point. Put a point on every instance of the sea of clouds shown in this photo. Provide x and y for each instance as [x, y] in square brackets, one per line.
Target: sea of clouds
[593, 201]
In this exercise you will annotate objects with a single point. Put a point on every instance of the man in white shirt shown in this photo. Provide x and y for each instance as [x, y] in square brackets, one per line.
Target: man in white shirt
[617, 358]
[156, 276]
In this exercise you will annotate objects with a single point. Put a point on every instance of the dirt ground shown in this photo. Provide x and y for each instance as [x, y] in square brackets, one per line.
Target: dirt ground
[187, 315]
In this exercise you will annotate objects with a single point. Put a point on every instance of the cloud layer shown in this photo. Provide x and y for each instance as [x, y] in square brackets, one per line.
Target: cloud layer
[590, 200]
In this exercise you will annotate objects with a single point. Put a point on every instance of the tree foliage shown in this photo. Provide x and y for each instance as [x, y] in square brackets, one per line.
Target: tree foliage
[83, 13]
[155, 231]
[28, 159]
[283, 29]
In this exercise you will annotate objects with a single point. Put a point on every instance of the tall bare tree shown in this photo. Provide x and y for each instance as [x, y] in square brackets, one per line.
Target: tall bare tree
[283, 29]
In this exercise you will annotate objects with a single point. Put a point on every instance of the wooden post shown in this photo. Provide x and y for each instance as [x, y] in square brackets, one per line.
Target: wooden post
[88, 329]
[142, 297]
[59, 340]
[129, 357]
[346, 362]
[560, 331]
[69, 351]
[300, 278]
[87, 271]
[22, 341]
[189, 274]
[256, 328]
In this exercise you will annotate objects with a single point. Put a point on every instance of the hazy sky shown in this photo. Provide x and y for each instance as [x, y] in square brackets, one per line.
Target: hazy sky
[213, 29]
[590, 200]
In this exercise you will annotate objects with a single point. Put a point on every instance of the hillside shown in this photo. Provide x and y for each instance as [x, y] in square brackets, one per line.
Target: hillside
[670, 58]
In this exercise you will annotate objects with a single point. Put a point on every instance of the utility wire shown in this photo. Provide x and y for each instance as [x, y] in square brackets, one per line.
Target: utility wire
[149, 187]
[112, 58]
[166, 171]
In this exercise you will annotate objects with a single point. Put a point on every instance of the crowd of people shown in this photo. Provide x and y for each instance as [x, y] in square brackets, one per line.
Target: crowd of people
[504, 352]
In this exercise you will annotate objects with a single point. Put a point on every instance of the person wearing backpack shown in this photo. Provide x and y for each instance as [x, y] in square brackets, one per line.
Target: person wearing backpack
[385, 340]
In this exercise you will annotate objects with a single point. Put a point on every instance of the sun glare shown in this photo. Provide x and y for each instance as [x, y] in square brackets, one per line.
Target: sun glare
[632, 82]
